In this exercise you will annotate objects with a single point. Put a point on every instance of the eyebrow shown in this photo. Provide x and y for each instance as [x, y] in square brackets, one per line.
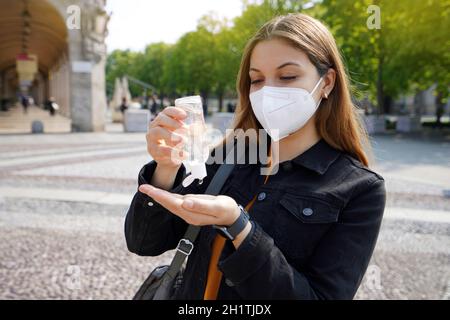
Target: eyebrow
[280, 67]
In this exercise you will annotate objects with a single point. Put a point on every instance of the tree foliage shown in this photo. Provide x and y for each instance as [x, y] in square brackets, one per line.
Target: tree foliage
[410, 52]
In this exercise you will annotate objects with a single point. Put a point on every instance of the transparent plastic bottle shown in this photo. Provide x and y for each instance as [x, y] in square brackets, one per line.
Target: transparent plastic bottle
[195, 149]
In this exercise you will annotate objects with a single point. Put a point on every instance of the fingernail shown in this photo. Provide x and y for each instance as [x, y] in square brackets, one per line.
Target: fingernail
[188, 204]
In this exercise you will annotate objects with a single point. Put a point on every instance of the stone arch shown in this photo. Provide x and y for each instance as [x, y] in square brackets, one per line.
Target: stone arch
[71, 62]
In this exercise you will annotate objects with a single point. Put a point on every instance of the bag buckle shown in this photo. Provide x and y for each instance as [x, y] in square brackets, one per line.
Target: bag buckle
[185, 246]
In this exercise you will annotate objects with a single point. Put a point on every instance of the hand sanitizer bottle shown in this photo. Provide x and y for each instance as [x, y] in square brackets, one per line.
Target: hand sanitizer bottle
[195, 147]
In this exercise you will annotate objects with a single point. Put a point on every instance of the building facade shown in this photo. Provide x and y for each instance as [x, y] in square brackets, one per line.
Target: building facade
[68, 39]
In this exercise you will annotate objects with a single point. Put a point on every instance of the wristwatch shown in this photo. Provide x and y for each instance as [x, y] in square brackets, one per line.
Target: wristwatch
[231, 232]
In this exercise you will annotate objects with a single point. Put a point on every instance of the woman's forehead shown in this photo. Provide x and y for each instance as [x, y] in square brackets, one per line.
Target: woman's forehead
[270, 54]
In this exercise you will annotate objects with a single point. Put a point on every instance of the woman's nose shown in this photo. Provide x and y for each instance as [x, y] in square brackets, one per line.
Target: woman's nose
[270, 83]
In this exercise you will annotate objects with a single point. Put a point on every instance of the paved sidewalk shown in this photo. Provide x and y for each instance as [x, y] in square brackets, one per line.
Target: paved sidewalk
[109, 198]
[64, 197]
[16, 121]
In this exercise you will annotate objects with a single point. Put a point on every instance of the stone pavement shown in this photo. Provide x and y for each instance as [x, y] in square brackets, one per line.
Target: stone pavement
[63, 199]
[15, 121]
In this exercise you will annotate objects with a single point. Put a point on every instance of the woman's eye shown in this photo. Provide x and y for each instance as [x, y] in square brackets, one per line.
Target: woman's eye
[256, 81]
[289, 78]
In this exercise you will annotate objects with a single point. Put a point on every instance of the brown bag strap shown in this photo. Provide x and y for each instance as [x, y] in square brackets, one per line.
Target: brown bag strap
[214, 274]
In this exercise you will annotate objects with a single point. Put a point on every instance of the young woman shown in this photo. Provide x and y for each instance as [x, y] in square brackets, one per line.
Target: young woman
[314, 224]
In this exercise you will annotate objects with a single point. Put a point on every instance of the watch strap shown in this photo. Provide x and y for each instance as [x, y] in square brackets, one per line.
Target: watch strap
[239, 224]
[231, 232]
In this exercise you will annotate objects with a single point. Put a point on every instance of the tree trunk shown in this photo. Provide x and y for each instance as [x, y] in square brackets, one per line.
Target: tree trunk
[418, 103]
[387, 100]
[380, 88]
[204, 95]
[439, 109]
[221, 101]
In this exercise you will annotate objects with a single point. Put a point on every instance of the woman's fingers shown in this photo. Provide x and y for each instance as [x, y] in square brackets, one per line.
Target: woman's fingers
[167, 199]
[162, 152]
[198, 219]
[174, 203]
[168, 122]
[175, 112]
[155, 134]
[204, 206]
[170, 201]
[166, 136]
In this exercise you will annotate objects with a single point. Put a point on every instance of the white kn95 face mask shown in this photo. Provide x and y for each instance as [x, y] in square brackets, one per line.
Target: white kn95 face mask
[282, 111]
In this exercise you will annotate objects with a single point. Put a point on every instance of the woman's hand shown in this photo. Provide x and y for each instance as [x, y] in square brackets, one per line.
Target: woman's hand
[196, 209]
[165, 138]
[200, 209]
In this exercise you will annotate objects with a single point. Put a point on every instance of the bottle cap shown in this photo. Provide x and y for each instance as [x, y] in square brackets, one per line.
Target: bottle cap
[198, 171]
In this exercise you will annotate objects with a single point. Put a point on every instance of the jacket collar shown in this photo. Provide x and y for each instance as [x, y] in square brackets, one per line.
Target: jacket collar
[318, 158]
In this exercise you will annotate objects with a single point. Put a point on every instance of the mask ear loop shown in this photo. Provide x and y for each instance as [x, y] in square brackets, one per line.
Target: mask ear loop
[315, 88]
[317, 85]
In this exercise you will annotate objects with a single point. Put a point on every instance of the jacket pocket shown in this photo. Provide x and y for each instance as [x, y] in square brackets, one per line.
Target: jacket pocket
[310, 209]
[301, 222]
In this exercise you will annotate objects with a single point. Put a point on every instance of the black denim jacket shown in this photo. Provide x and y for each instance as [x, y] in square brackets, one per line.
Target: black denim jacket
[315, 225]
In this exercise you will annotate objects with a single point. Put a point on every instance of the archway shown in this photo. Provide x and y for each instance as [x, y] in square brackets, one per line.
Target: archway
[34, 27]
[71, 62]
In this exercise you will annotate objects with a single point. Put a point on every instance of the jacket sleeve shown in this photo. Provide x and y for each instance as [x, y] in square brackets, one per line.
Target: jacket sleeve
[335, 269]
[151, 229]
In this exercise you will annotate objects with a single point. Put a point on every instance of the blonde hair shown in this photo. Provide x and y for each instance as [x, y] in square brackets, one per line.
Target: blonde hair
[337, 120]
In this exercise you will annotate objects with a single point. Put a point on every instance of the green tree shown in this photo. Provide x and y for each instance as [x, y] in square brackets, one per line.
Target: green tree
[150, 65]
[118, 64]
[190, 66]
[409, 52]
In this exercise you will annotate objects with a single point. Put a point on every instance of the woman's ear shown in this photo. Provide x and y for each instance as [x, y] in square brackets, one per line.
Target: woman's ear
[328, 80]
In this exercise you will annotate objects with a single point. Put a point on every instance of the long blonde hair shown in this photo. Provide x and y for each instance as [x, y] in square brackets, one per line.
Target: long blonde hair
[337, 118]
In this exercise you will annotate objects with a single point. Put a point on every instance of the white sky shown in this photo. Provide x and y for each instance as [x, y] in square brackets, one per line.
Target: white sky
[136, 23]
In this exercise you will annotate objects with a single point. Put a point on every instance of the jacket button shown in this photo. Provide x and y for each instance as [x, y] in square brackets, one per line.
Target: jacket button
[150, 204]
[261, 196]
[229, 283]
[308, 211]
